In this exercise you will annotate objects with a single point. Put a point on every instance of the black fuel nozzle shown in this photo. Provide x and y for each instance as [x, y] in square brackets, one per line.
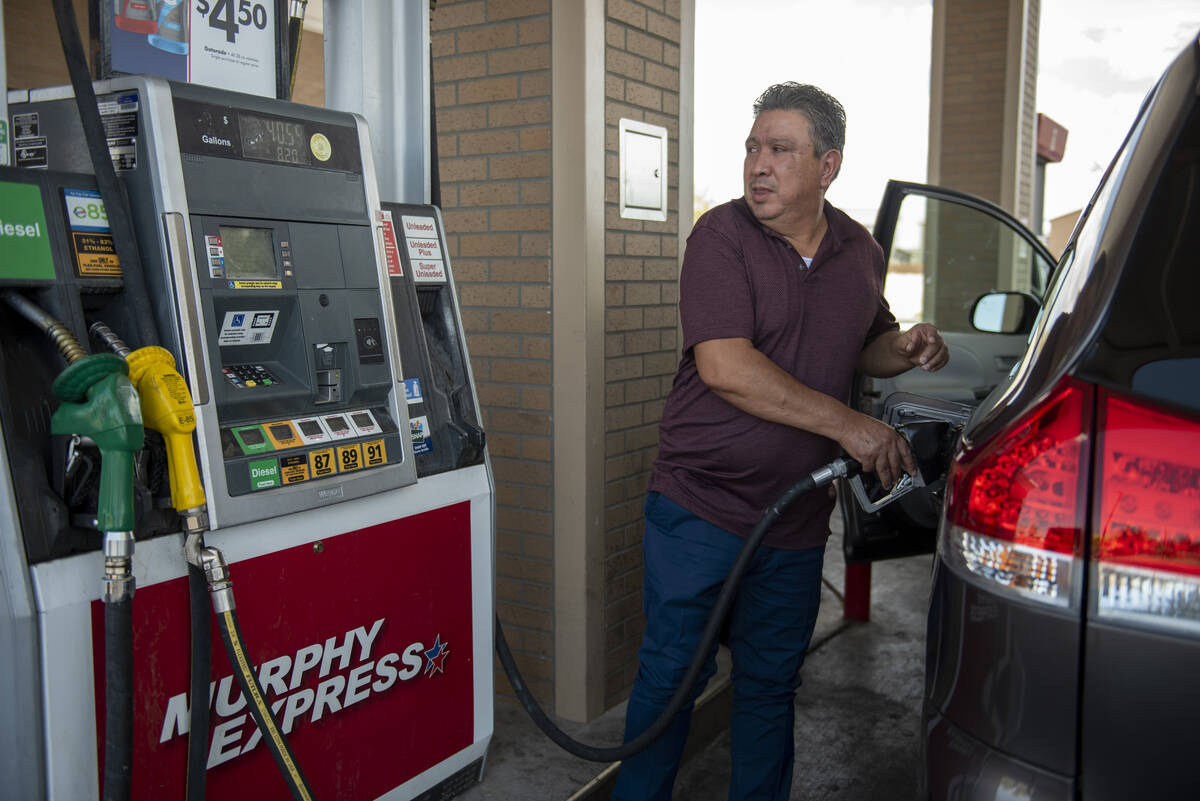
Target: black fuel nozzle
[932, 428]
[932, 444]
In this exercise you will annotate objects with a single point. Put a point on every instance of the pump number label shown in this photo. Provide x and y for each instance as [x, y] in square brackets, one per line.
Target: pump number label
[349, 457]
[293, 469]
[374, 453]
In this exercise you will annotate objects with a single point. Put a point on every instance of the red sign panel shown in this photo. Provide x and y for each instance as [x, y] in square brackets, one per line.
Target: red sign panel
[390, 250]
[363, 648]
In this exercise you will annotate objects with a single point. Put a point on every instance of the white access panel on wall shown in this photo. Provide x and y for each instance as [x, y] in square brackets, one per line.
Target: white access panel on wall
[643, 165]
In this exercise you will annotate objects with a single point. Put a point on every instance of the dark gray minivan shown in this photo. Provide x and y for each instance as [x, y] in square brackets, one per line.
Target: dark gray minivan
[1063, 649]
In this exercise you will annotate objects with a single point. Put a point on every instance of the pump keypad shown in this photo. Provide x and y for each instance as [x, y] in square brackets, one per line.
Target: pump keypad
[247, 376]
[279, 452]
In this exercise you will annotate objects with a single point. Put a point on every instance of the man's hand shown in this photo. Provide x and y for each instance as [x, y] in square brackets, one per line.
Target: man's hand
[923, 347]
[878, 447]
[895, 352]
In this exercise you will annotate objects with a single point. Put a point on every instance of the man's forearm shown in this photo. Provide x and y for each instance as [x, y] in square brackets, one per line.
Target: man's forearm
[745, 378]
[882, 359]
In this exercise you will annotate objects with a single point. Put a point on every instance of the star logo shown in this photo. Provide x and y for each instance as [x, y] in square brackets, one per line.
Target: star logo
[435, 656]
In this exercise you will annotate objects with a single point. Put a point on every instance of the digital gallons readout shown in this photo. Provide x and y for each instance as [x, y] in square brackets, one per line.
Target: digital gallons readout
[274, 139]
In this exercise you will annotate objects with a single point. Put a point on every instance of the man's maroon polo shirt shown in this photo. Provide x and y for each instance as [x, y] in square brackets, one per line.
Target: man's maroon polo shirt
[741, 279]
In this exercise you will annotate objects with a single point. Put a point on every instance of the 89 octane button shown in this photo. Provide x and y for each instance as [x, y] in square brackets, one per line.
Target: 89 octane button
[349, 457]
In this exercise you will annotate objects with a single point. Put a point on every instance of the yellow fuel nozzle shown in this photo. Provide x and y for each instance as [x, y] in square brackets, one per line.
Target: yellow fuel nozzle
[166, 408]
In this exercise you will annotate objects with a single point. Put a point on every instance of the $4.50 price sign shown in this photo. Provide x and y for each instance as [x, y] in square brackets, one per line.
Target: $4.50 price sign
[222, 16]
[233, 44]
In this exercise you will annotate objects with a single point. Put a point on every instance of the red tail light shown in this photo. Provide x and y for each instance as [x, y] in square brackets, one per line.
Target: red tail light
[1147, 513]
[1016, 506]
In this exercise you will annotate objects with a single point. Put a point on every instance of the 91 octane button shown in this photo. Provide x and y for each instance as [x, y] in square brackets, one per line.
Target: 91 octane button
[374, 453]
[293, 469]
[322, 463]
[349, 457]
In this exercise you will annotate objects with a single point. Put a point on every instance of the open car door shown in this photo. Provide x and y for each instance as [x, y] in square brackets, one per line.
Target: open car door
[945, 250]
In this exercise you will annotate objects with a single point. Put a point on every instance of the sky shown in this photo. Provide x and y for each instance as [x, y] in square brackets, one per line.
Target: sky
[1096, 61]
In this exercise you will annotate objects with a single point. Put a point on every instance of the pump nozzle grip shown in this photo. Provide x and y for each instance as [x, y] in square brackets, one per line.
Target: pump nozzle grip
[167, 408]
[110, 417]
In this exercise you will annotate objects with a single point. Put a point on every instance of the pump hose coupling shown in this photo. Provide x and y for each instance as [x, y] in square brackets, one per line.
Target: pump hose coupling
[119, 583]
[109, 337]
[67, 344]
[220, 585]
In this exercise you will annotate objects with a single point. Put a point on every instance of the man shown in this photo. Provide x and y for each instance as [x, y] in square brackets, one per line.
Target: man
[780, 300]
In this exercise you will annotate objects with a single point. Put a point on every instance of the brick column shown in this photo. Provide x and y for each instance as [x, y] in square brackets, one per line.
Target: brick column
[982, 137]
[641, 349]
[492, 93]
[569, 309]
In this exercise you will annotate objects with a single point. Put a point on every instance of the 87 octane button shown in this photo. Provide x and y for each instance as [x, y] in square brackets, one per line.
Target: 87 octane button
[322, 463]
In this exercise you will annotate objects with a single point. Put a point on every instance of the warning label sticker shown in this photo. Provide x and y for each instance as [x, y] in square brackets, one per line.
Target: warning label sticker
[390, 251]
[248, 327]
[293, 469]
[95, 254]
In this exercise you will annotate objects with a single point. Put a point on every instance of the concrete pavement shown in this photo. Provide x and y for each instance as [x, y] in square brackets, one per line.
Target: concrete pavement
[857, 711]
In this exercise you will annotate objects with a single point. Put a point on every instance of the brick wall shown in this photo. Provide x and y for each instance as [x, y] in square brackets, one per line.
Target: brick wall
[33, 53]
[491, 70]
[641, 348]
[973, 97]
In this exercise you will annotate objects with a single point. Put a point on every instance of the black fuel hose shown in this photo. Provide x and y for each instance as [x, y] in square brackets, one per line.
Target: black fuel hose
[844, 467]
[197, 764]
[256, 703]
[112, 191]
[118, 699]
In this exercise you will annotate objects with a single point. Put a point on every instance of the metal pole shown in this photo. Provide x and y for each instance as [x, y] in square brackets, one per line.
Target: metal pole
[377, 64]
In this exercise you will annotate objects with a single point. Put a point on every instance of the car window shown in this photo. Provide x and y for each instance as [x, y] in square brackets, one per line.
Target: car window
[945, 255]
[1150, 341]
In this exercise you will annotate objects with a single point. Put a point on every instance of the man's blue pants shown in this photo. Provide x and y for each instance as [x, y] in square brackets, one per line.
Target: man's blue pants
[771, 623]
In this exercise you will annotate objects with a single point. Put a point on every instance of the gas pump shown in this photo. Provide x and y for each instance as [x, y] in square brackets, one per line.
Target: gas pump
[337, 443]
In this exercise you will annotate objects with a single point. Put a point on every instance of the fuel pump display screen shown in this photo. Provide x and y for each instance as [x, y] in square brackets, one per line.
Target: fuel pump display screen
[273, 140]
[249, 252]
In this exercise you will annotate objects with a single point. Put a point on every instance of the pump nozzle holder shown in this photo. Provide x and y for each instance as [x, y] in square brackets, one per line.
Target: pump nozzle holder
[100, 403]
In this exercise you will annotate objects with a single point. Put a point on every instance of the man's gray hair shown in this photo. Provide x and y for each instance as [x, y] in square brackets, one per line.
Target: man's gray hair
[826, 117]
